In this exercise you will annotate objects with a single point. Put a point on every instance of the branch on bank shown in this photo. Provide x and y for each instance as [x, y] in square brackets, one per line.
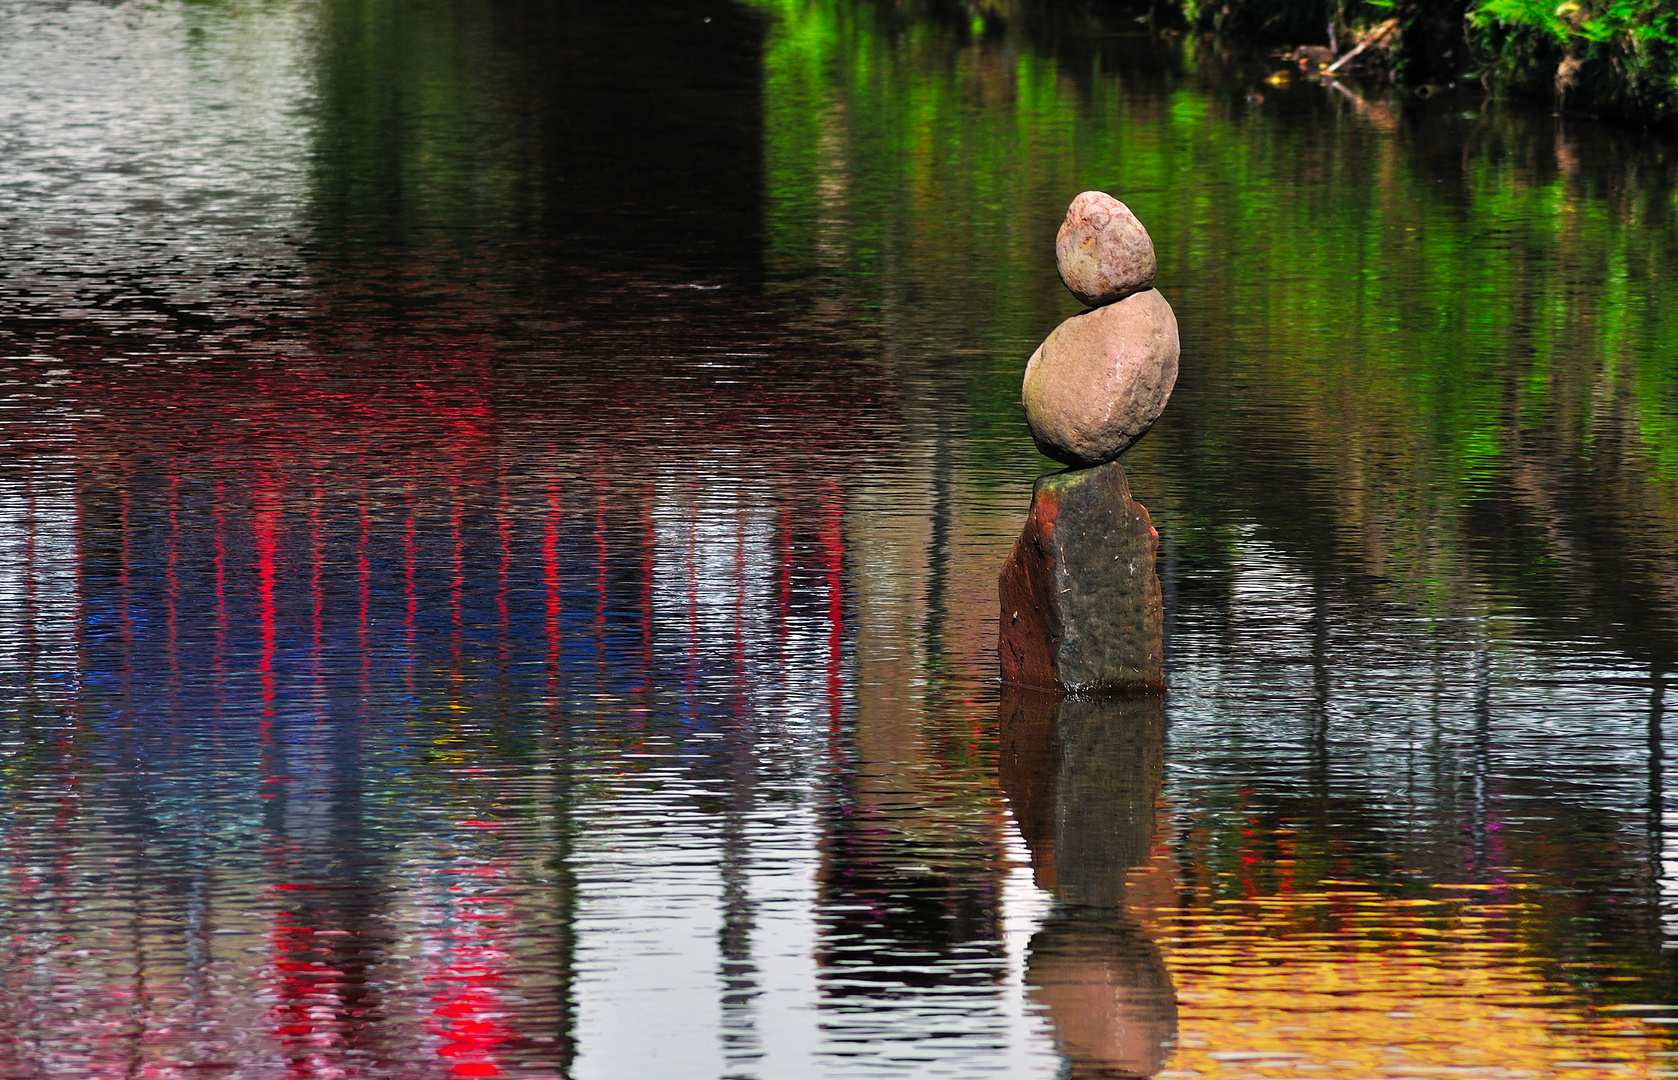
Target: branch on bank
[1378, 37]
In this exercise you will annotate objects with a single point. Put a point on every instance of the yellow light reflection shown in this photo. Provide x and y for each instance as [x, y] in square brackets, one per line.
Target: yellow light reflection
[1442, 986]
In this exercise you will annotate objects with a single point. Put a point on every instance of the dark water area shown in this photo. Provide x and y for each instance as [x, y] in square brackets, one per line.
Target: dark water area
[501, 505]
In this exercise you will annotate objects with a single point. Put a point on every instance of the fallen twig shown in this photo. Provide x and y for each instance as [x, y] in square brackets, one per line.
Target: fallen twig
[1377, 35]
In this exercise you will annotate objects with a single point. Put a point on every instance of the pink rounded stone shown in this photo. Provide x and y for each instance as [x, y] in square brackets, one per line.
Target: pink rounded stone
[1101, 378]
[1102, 252]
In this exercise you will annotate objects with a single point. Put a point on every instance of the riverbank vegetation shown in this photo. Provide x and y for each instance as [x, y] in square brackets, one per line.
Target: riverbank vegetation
[1614, 58]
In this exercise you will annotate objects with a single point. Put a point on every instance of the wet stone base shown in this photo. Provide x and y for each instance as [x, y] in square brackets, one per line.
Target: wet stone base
[1081, 609]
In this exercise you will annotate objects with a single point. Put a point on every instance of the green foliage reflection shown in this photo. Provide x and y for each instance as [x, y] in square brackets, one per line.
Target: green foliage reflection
[1400, 318]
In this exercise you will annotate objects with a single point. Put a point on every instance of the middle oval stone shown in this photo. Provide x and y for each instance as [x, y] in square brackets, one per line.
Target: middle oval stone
[1101, 378]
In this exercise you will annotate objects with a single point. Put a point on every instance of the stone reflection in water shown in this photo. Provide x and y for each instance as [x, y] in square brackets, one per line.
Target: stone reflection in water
[1082, 776]
[1082, 611]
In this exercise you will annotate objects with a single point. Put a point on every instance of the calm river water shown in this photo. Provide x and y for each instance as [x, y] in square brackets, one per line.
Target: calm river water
[501, 504]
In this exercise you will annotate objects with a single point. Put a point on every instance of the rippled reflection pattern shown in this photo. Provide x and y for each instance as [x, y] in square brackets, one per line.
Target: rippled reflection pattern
[500, 508]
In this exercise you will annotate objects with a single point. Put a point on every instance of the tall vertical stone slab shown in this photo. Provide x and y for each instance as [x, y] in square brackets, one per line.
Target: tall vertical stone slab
[1081, 608]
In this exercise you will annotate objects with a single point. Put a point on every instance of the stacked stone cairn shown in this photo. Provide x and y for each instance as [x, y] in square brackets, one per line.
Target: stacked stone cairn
[1081, 609]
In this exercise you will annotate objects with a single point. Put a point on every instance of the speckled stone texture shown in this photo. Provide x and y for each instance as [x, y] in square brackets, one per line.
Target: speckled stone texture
[1101, 378]
[1102, 252]
[1081, 608]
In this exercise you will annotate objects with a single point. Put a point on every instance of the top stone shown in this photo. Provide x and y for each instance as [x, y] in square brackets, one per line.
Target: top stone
[1102, 252]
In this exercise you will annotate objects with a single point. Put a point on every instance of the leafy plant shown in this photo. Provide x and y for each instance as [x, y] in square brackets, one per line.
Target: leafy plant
[1641, 22]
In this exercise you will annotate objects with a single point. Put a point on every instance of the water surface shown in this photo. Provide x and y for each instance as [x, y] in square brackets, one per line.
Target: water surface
[501, 511]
